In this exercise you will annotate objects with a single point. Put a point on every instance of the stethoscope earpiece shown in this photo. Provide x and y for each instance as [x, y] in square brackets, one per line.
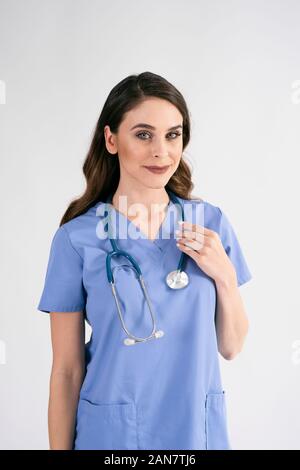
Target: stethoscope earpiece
[159, 334]
[130, 341]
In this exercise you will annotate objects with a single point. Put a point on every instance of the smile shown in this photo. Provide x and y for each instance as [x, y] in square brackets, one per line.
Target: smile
[157, 169]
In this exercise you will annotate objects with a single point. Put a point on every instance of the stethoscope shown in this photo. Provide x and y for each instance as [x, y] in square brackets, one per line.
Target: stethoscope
[175, 279]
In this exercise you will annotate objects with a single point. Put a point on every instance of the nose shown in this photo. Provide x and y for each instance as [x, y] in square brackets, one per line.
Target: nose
[159, 148]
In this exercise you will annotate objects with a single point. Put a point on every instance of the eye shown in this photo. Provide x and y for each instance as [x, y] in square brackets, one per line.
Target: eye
[142, 133]
[176, 134]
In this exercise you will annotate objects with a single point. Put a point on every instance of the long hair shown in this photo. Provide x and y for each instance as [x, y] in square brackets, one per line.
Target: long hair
[102, 173]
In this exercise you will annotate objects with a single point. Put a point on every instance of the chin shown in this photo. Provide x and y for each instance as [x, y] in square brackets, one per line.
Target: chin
[154, 185]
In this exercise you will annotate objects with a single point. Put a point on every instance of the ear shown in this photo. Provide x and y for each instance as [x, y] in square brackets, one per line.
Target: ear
[110, 140]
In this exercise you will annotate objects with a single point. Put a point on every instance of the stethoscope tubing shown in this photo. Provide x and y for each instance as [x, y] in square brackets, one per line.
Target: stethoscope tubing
[134, 265]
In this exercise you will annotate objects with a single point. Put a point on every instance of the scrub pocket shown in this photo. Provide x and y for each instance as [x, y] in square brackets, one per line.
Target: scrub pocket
[217, 437]
[106, 426]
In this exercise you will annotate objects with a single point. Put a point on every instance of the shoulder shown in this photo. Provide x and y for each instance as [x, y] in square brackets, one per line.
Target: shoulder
[79, 230]
[203, 212]
[83, 220]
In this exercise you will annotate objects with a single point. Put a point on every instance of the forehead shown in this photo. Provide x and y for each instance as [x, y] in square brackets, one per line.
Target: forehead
[154, 111]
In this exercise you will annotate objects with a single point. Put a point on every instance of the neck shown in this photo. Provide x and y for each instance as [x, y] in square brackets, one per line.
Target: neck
[146, 199]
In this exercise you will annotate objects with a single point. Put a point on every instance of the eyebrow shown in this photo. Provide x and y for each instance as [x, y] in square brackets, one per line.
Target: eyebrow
[148, 126]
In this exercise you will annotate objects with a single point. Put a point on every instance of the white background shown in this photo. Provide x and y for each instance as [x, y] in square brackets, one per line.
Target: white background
[237, 63]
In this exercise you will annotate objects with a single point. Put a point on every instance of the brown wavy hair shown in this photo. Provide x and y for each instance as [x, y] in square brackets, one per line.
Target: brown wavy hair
[102, 173]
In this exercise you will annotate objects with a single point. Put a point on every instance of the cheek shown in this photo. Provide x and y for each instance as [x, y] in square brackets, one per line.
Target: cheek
[176, 150]
[136, 156]
[132, 154]
[176, 159]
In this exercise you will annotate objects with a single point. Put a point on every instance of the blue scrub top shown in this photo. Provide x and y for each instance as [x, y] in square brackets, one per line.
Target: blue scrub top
[164, 393]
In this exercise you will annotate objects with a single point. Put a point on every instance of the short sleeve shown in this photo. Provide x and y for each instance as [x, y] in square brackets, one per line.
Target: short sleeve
[233, 249]
[63, 286]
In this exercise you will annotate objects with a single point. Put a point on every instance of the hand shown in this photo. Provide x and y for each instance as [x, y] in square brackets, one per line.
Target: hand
[206, 249]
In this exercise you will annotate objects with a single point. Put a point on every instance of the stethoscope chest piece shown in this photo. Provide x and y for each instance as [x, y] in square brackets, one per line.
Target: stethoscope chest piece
[177, 279]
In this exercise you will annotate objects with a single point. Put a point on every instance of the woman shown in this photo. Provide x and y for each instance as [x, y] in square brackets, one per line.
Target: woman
[163, 392]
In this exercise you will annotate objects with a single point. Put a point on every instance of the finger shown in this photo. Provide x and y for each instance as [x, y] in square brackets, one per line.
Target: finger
[189, 251]
[189, 234]
[195, 227]
[190, 244]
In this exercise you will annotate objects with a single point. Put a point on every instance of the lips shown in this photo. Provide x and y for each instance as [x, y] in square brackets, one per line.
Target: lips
[157, 169]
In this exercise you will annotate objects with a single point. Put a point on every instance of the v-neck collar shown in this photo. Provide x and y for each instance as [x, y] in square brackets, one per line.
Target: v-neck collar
[164, 234]
[142, 235]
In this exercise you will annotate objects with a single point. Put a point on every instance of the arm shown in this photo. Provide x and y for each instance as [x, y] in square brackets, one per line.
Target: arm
[67, 374]
[231, 320]
[205, 247]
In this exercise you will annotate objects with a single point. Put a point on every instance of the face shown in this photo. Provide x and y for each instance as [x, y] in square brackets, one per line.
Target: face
[140, 146]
